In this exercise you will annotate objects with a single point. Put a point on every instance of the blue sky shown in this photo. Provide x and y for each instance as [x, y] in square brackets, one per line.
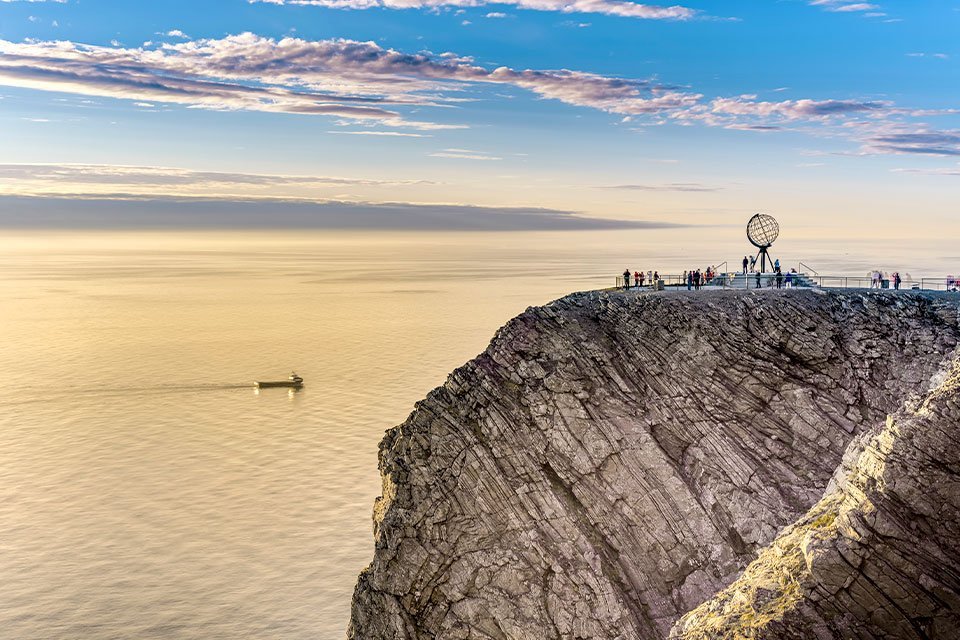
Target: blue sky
[839, 113]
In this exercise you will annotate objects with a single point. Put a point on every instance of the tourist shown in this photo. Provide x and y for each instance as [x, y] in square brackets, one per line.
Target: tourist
[689, 280]
[758, 279]
[636, 278]
[656, 278]
[641, 279]
[753, 263]
[789, 280]
[779, 277]
[776, 265]
[626, 279]
[746, 261]
[896, 280]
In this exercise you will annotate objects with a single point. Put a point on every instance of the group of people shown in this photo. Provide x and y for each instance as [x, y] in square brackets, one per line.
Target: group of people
[881, 280]
[750, 265]
[696, 278]
[779, 278]
[639, 277]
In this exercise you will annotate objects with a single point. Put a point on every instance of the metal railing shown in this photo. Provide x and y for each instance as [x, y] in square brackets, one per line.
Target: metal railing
[801, 280]
[675, 281]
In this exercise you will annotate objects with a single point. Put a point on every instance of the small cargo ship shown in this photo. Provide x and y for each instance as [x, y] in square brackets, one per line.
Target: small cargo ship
[292, 382]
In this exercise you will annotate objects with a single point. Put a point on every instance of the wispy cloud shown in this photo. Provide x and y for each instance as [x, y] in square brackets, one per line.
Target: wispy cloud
[943, 171]
[364, 83]
[850, 6]
[609, 7]
[342, 78]
[393, 134]
[690, 187]
[923, 142]
[463, 154]
[93, 180]
[746, 112]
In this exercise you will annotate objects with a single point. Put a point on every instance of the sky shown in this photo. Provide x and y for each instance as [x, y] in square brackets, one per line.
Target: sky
[840, 116]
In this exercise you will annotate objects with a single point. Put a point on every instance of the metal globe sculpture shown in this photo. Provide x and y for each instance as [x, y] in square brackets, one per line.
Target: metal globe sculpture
[762, 230]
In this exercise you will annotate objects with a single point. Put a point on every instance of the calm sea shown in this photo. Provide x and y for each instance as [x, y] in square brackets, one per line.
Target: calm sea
[147, 491]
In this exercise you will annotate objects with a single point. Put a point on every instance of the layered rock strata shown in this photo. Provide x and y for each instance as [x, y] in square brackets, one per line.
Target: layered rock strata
[877, 557]
[613, 460]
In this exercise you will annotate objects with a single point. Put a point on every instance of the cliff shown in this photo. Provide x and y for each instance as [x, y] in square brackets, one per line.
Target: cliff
[612, 461]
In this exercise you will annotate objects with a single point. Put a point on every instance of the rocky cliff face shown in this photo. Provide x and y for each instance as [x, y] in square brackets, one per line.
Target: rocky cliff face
[612, 461]
[877, 557]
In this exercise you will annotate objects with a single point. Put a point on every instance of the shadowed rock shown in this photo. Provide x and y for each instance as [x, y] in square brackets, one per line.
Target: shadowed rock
[611, 461]
[877, 557]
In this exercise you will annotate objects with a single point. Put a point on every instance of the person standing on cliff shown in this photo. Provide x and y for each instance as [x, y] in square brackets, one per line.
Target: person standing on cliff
[779, 279]
[746, 261]
[758, 279]
[689, 275]
[626, 279]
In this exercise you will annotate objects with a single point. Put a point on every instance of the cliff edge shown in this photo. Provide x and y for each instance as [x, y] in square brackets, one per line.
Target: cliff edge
[614, 460]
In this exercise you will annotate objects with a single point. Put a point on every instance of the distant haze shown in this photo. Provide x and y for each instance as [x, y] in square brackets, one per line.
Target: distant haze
[20, 212]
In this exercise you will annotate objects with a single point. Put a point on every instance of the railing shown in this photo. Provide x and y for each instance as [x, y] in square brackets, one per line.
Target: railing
[803, 280]
[675, 281]
[924, 284]
[801, 266]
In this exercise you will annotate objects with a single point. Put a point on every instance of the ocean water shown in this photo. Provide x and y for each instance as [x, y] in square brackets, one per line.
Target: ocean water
[146, 489]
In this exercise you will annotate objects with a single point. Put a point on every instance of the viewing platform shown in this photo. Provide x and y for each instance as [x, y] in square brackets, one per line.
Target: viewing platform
[768, 280]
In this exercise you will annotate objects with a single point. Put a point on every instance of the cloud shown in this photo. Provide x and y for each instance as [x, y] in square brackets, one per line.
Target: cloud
[364, 83]
[794, 109]
[126, 211]
[848, 6]
[690, 187]
[939, 56]
[746, 112]
[608, 7]
[394, 134]
[342, 78]
[463, 154]
[923, 142]
[92, 180]
[947, 171]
